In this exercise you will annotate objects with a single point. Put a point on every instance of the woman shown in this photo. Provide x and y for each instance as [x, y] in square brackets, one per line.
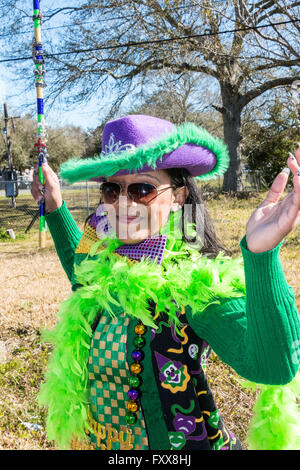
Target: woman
[147, 307]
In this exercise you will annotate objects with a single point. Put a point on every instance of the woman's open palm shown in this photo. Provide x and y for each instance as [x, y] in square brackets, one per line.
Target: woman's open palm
[274, 219]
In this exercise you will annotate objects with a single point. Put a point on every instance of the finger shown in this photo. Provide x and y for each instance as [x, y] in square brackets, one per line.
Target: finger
[293, 161]
[295, 168]
[36, 175]
[296, 183]
[297, 154]
[277, 188]
[36, 179]
[36, 193]
[49, 174]
[35, 171]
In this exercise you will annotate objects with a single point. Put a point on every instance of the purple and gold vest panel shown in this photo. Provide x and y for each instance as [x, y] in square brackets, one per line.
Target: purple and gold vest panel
[192, 418]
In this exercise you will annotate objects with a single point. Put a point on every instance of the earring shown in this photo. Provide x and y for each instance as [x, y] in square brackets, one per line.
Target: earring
[177, 207]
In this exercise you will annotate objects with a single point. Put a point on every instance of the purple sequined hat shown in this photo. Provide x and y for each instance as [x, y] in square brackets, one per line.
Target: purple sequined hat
[139, 143]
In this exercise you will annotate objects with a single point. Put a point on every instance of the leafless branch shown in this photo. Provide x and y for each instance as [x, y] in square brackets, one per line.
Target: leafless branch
[268, 85]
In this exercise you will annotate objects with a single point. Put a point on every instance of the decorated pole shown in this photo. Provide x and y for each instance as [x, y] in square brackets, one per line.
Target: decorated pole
[41, 149]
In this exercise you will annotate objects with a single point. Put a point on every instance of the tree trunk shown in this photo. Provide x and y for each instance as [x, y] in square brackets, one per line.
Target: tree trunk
[231, 113]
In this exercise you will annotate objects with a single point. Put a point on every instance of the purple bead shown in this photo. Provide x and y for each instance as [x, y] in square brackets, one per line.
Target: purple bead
[133, 394]
[137, 355]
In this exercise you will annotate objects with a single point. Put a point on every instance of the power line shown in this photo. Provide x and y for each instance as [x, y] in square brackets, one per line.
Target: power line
[93, 22]
[154, 41]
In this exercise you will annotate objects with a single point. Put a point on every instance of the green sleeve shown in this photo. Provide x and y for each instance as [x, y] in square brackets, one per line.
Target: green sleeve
[66, 236]
[255, 334]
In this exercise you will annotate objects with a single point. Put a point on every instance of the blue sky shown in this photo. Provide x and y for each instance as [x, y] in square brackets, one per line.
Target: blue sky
[13, 87]
[85, 116]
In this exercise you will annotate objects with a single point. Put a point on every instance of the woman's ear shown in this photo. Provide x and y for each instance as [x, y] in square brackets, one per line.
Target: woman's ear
[180, 195]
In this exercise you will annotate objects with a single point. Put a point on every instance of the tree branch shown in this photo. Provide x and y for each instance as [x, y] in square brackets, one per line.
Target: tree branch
[277, 63]
[220, 109]
[254, 93]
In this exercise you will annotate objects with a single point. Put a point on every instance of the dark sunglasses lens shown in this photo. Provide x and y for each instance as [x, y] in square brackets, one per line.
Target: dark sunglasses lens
[141, 192]
[110, 192]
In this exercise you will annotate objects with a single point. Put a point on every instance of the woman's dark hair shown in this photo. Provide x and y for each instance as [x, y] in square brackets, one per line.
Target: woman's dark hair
[194, 211]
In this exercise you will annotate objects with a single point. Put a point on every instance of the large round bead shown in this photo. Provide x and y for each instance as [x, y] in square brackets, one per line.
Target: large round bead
[132, 406]
[133, 394]
[136, 368]
[137, 355]
[130, 418]
[134, 381]
[139, 342]
[140, 329]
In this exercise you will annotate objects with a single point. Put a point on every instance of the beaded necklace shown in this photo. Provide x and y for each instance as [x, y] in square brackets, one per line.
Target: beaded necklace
[136, 368]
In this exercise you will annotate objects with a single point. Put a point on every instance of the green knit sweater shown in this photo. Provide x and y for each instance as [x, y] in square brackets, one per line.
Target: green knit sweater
[256, 334]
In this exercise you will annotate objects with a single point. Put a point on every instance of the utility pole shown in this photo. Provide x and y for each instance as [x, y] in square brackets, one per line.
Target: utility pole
[10, 175]
[6, 132]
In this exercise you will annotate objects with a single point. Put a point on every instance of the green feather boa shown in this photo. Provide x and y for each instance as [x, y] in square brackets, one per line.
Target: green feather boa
[275, 424]
[113, 283]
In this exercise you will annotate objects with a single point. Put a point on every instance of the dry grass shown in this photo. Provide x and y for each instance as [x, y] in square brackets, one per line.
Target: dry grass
[32, 286]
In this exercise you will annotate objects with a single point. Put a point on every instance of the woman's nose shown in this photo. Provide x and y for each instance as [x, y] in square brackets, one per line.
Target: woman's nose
[124, 199]
[124, 192]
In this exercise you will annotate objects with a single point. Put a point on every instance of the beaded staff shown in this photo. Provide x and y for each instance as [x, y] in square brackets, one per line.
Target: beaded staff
[41, 150]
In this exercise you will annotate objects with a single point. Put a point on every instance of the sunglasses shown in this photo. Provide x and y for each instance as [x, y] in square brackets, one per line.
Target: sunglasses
[142, 193]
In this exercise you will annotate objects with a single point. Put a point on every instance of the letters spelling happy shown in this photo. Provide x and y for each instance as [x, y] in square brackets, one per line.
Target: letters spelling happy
[111, 435]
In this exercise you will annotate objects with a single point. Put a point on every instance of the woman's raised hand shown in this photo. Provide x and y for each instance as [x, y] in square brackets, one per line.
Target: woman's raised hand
[274, 219]
[50, 190]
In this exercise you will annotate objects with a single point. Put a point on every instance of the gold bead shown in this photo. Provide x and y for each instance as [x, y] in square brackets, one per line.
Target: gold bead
[140, 329]
[136, 368]
[132, 406]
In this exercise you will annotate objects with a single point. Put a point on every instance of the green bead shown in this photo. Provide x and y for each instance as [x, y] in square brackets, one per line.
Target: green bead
[130, 418]
[139, 342]
[134, 381]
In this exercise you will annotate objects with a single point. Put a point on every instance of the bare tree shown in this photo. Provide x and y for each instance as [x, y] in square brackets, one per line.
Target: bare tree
[179, 100]
[245, 47]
